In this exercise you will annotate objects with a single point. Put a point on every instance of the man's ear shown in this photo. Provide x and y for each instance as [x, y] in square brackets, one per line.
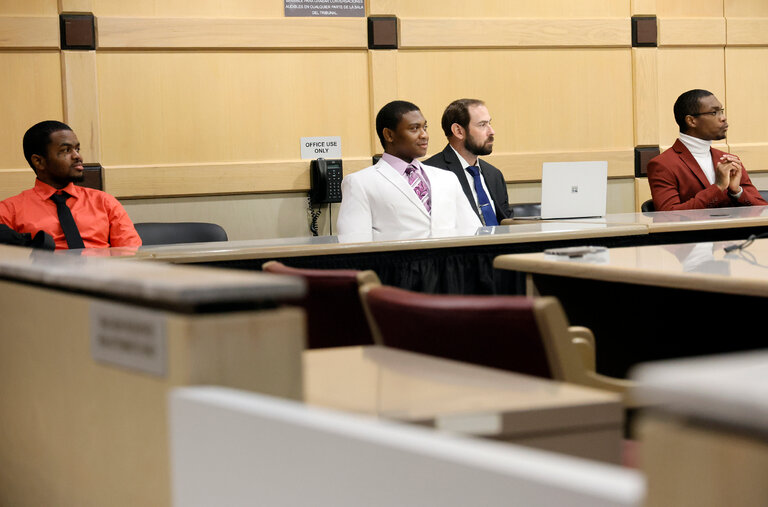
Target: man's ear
[38, 163]
[389, 135]
[458, 131]
[690, 121]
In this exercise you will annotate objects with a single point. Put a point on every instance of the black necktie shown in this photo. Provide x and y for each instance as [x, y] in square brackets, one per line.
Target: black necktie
[67, 222]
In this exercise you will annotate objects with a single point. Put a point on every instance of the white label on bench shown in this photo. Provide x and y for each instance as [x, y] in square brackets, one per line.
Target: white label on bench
[129, 336]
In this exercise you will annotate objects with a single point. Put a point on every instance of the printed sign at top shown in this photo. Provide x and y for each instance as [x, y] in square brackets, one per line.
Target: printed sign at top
[325, 8]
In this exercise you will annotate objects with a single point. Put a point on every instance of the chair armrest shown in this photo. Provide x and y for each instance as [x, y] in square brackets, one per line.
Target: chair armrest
[584, 342]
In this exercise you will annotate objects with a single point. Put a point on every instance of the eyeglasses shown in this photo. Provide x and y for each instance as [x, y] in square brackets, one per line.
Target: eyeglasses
[716, 112]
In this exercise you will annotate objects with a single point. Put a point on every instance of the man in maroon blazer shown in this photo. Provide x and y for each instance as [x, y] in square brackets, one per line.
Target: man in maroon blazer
[692, 174]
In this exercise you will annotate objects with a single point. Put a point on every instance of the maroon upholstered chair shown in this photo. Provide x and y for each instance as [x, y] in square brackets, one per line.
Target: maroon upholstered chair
[335, 316]
[513, 333]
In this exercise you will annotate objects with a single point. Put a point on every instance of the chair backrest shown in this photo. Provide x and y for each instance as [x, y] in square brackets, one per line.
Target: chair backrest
[168, 233]
[239, 448]
[335, 316]
[647, 206]
[496, 331]
[526, 209]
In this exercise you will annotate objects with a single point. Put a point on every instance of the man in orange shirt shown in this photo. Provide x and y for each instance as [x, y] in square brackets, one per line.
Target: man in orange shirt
[76, 217]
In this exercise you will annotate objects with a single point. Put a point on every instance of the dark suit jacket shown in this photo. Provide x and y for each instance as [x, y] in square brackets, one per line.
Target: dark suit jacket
[494, 180]
[677, 182]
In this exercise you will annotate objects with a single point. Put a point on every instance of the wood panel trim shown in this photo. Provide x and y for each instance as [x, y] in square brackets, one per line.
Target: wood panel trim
[519, 167]
[164, 180]
[29, 32]
[747, 31]
[81, 100]
[13, 181]
[691, 32]
[382, 7]
[754, 155]
[643, 7]
[645, 80]
[511, 33]
[642, 192]
[383, 91]
[230, 33]
[75, 5]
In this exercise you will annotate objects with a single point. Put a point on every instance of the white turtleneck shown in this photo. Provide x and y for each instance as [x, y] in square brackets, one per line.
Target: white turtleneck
[700, 149]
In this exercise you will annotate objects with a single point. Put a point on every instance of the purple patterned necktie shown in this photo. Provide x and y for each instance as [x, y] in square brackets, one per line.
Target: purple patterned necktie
[417, 184]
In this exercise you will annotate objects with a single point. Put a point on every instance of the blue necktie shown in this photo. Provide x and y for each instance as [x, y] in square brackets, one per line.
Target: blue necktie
[489, 215]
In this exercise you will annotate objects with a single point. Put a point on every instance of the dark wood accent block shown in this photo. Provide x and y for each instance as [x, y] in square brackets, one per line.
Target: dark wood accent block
[643, 155]
[78, 31]
[93, 177]
[644, 32]
[382, 32]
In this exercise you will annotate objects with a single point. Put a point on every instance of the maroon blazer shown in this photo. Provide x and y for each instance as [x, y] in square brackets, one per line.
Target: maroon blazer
[677, 182]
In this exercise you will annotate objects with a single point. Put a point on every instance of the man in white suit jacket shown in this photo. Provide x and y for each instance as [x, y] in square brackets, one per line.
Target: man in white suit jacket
[379, 199]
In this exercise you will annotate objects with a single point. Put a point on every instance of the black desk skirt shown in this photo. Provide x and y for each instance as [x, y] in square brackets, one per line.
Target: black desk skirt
[469, 269]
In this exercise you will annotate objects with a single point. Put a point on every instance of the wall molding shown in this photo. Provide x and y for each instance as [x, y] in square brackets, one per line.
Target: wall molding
[29, 32]
[747, 31]
[520, 167]
[691, 32]
[217, 33]
[514, 32]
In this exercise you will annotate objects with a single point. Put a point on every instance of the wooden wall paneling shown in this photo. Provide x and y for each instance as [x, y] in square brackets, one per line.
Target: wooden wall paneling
[682, 69]
[29, 8]
[382, 7]
[746, 108]
[190, 8]
[745, 8]
[214, 178]
[645, 75]
[511, 32]
[508, 8]
[216, 107]
[13, 181]
[691, 31]
[306, 33]
[76, 5]
[688, 9]
[383, 81]
[527, 166]
[643, 7]
[747, 31]
[31, 85]
[81, 101]
[642, 192]
[541, 101]
[29, 32]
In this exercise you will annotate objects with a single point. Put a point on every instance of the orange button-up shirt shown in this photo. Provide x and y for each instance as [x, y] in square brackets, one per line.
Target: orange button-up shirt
[100, 218]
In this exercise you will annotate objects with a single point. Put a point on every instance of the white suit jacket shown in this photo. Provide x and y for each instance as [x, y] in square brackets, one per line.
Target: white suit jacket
[378, 199]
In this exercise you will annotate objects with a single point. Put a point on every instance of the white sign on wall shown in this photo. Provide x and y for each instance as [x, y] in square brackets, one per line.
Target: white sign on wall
[320, 147]
[324, 8]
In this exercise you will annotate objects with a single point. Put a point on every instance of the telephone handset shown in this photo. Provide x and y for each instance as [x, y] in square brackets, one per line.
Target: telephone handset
[325, 181]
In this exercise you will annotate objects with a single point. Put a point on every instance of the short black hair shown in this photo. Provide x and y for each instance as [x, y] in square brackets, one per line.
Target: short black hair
[458, 112]
[688, 103]
[390, 115]
[38, 137]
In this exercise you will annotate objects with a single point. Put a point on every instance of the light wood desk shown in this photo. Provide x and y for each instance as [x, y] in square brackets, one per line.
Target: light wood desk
[656, 302]
[451, 262]
[706, 443]
[89, 350]
[468, 399]
[715, 222]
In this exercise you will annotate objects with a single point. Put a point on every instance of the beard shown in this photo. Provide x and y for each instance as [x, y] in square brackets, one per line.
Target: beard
[478, 149]
[78, 179]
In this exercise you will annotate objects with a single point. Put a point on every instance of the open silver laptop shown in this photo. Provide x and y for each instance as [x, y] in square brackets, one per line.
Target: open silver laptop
[573, 189]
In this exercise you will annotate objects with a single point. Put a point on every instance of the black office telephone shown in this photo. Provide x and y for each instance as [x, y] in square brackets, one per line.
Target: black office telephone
[325, 181]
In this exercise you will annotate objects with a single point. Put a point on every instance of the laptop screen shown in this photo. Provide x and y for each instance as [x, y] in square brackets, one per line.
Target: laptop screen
[574, 189]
